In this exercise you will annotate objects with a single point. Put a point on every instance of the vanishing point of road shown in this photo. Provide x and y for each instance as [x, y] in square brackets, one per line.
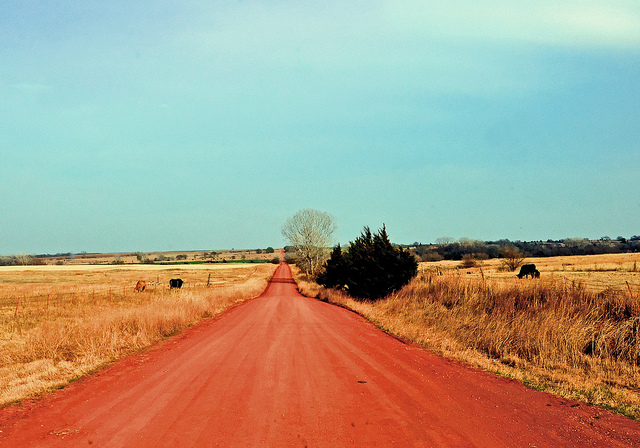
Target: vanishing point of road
[283, 370]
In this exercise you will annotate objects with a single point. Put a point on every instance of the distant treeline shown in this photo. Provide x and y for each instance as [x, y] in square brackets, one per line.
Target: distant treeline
[452, 250]
[35, 260]
[456, 250]
[20, 260]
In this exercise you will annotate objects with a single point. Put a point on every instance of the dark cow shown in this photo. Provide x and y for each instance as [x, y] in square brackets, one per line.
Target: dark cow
[140, 286]
[528, 270]
[175, 283]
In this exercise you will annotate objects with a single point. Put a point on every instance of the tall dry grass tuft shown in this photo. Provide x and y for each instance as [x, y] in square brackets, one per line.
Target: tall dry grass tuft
[542, 322]
[559, 336]
[43, 349]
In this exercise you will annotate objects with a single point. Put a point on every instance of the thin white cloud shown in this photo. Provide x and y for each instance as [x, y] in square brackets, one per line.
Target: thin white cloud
[30, 87]
[561, 23]
[459, 46]
[597, 24]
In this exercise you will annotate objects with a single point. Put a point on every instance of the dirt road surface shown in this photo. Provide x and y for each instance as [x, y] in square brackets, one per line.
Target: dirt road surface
[283, 370]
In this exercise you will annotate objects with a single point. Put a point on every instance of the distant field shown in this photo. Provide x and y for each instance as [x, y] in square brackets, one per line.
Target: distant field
[60, 322]
[595, 272]
[171, 257]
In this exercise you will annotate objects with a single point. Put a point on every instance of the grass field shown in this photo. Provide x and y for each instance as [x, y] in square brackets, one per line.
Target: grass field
[170, 257]
[60, 322]
[574, 332]
[595, 272]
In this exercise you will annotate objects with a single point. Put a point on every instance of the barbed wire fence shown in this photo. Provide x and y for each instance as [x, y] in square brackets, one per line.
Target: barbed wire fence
[42, 300]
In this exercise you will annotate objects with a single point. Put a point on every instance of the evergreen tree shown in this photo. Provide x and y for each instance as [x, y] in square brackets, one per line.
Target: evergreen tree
[333, 276]
[371, 268]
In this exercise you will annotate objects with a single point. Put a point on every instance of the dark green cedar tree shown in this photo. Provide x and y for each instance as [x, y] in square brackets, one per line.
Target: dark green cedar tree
[371, 268]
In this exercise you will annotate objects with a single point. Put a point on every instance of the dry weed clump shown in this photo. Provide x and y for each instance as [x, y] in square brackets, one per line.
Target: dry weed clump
[306, 285]
[551, 334]
[42, 348]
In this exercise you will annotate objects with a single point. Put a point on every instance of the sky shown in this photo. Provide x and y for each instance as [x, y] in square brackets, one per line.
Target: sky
[194, 125]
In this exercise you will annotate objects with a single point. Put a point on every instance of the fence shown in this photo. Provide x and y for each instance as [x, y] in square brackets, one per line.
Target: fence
[42, 300]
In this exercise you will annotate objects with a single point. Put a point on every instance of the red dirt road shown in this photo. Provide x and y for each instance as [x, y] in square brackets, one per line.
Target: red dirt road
[283, 370]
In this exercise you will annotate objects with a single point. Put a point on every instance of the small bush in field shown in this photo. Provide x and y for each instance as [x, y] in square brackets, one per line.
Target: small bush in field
[468, 261]
[512, 258]
[432, 256]
[371, 268]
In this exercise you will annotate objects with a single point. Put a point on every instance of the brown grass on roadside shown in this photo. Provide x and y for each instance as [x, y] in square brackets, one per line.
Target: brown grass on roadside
[60, 332]
[552, 334]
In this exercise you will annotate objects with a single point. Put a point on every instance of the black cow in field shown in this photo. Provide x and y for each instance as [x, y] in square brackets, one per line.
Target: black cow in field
[528, 270]
[175, 283]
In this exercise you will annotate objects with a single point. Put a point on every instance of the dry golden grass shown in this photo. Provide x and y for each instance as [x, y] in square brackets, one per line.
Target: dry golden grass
[574, 332]
[58, 323]
[595, 272]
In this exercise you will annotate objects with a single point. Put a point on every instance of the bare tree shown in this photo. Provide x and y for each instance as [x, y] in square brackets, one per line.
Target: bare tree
[25, 259]
[512, 258]
[309, 232]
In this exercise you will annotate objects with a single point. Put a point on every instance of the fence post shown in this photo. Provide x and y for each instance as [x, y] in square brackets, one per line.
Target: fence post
[629, 288]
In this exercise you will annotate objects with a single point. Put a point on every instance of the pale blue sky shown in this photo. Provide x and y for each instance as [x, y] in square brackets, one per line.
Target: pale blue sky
[178, 125]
